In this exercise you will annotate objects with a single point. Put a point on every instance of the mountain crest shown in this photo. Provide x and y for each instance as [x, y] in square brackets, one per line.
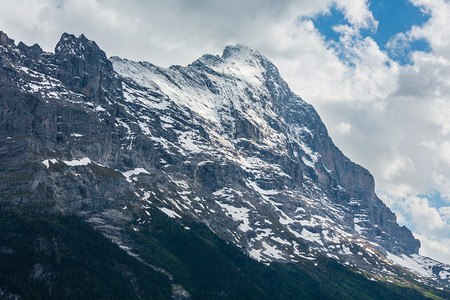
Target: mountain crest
[76, 45]
[241, 51]
[83, 66]
[5, 40]
[222, 141]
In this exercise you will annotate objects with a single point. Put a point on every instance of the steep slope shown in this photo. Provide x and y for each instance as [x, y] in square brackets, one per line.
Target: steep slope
[61, 257]
[223, 141]
[50, 256]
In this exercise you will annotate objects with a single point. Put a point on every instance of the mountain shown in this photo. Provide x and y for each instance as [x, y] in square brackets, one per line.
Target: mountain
[222, 142]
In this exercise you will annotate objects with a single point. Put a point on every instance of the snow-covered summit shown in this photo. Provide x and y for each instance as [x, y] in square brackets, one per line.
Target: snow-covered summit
[222, 140]
[74, 45]
[291, 176]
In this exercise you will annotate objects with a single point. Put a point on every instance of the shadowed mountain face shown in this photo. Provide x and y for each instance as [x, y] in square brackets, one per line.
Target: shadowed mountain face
[222, 141]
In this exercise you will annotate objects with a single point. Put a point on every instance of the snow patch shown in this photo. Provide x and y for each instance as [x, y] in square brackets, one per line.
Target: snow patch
[444, 275]
[169, 212]
[310, 236]
[134, 172]
[280, 240]
[239, 214]
[187, 142]
[410, 263]
[255, 254]
[266, 232]
[271, 251]
[48, 161]
[78, 162]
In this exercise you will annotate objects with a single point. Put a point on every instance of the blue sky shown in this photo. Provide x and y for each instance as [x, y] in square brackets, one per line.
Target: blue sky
[393, 17]
[377, 72]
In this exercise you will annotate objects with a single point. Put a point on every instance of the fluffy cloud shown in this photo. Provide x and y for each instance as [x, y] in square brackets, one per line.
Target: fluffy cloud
[429, 226]
[445, 213]
[435, 248]
[343, 127]
[357, 13]
[398, 116]
[164, 32]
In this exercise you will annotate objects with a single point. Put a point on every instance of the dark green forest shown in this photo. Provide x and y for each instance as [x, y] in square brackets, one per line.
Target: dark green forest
[53, 256]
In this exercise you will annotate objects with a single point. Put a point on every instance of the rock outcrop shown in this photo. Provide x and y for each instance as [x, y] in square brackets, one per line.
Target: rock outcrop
[223, 140]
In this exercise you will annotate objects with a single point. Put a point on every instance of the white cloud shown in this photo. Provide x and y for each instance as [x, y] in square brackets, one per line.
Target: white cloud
[443, 186]
[427, 219]
[357, 13]
[394, 168]
[431, 226]
[403, 127]
[436, 30]
[164, 32]
[438, 249]
[445, 151]
[445, 213]
[343, 128]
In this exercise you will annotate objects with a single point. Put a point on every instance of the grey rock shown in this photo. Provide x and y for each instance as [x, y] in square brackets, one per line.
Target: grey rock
[223, 140]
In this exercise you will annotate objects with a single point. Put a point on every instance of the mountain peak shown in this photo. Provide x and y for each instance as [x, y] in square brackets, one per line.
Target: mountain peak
[222, 141]
[5, 40]
[240, 51]
[77, 46]
[83, 65]
[233, 54]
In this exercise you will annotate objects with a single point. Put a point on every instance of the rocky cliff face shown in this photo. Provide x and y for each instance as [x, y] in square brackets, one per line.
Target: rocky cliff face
[222, 140]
